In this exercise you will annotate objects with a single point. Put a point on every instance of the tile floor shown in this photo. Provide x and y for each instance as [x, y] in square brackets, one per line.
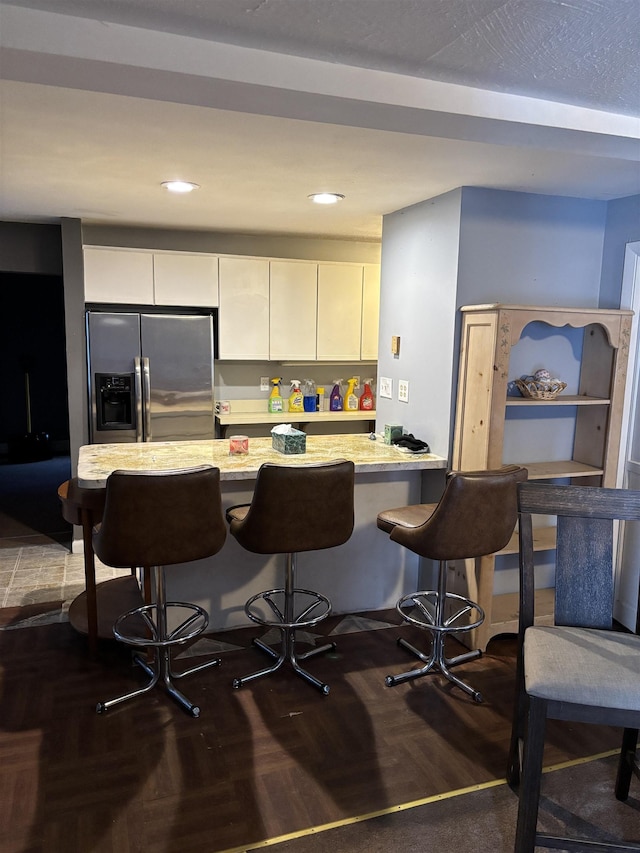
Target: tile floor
[34, 574]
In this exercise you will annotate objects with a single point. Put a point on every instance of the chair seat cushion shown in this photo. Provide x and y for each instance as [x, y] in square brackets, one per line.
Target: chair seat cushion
[585, 666]
[405, 516]
[237, 513]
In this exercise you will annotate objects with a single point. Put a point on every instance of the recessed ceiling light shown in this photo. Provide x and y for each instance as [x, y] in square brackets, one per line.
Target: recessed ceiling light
[326, 198]
[180, 186]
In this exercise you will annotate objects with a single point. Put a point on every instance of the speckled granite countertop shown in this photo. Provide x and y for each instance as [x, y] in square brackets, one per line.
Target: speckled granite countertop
[97, 461]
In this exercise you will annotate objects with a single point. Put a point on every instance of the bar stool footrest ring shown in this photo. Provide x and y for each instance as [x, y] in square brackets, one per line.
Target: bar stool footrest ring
[279, 620]
[465, 605]
[188, 629]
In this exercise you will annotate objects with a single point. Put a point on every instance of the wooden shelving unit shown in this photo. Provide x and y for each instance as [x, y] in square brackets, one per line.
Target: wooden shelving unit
[488, 334]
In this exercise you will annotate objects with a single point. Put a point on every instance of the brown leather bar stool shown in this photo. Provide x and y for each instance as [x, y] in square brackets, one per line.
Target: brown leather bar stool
[475, 516]
[293, 509]
[152, 520]
[84, 507]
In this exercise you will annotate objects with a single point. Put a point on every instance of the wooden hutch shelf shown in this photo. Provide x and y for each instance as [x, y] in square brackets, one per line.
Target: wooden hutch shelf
[488, 334]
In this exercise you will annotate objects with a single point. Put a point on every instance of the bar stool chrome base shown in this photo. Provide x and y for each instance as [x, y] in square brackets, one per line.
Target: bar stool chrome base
[288, 623]
[154, 617]
[433, 618]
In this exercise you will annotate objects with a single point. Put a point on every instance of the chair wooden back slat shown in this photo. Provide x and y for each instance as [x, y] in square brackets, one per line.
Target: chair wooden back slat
[584, 576]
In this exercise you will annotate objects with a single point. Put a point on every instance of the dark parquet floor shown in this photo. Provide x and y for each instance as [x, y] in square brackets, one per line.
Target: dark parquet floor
[273, 758]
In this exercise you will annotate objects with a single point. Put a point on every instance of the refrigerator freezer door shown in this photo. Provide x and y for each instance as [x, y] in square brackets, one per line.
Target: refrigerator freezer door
[179, 350]
[113, 345]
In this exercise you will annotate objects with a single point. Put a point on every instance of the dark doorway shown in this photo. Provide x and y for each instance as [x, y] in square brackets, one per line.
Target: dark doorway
[33, 353]
[34, 419]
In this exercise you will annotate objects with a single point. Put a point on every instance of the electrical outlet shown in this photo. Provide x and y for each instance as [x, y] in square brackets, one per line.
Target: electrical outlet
[386, 387]
[264, 383]
[403, 390]
[357, 382]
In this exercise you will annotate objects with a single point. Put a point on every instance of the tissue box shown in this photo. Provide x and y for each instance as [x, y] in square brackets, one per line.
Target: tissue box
[392, 431]
[289, 443]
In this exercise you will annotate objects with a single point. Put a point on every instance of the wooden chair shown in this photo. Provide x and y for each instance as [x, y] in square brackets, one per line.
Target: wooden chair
[578, 669]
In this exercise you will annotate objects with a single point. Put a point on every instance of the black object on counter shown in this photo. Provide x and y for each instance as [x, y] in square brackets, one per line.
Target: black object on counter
[411, 443]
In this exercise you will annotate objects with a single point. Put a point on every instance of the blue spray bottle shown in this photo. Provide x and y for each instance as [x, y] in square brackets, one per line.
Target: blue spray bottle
[335, 398]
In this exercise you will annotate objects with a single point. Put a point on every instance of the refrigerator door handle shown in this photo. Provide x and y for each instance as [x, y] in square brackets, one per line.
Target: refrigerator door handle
[137, 369]
[146, 387]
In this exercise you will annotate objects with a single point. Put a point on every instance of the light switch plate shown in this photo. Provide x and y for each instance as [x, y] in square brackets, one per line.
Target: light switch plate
[386, 387]
[264, 383]
[403, 390]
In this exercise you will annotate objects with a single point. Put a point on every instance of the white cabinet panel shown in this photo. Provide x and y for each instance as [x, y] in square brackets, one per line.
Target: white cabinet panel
[293, 305]
[339, 311]
[185, 279]
[370, 312]
[118, 276]
[243, 324]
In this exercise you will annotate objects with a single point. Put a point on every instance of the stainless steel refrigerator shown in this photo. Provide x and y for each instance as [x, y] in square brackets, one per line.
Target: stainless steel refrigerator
[150, 377]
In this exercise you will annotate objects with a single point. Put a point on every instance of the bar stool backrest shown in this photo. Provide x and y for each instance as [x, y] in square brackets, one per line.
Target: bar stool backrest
[159, 518]
[475, 516]
[298, 508]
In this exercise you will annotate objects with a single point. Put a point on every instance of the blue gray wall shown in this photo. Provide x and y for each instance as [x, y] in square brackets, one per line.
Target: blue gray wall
[622, 227]
[475, 246]
[419, 272]
[528, 249]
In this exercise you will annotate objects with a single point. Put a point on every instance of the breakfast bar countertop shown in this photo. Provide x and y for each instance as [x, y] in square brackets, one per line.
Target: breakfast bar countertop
[97, 461]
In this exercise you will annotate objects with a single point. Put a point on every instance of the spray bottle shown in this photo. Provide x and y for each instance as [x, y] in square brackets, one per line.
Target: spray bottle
[350, 398]
[296, 400]
[309, 395]
[335, 398]
[275, 398]
[367, 402]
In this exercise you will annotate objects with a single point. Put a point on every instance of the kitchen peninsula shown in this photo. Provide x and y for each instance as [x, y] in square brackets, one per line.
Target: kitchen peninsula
[368, 572]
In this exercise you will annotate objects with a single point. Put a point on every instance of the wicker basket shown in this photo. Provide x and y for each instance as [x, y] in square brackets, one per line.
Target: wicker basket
[537, 390]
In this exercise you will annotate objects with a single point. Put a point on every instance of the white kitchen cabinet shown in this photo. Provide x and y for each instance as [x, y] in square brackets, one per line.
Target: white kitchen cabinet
[370, 312]
[122, 276]
[339, 312]
[182, 278]
[142, 277]
[292, 310]
[243, 325]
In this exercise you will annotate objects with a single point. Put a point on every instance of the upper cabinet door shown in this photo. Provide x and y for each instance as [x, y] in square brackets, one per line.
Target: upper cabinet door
[118, 276]
[370, 312]
[243, 322]
[339, 311]
[293, 305]
[185, 279]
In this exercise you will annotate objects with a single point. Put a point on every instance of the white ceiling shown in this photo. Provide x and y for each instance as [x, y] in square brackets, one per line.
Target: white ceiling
[261, 102]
